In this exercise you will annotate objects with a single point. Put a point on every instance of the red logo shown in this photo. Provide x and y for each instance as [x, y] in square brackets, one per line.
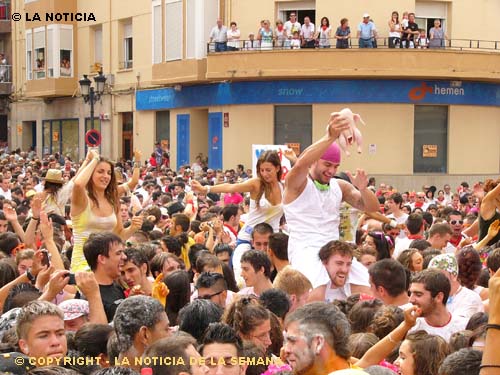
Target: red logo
[418, 93]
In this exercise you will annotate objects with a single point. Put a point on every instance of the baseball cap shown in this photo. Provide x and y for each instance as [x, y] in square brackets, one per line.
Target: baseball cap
[74, 308]
[366, 15]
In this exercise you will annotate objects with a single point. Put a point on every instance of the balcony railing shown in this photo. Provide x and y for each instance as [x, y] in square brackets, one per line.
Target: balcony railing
[5, 73]
[352, 43]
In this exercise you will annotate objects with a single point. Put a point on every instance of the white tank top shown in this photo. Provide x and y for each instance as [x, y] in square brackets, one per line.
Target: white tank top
[331, 294]
[265, 213]
[313, 218]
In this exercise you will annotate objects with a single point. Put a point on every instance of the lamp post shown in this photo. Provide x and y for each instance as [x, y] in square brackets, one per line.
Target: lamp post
[91, 95]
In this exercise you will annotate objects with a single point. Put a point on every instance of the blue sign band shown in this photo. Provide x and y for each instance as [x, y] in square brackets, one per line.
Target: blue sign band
[322, 91]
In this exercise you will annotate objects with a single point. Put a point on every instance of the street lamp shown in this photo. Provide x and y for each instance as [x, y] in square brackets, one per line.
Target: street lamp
[91, 95]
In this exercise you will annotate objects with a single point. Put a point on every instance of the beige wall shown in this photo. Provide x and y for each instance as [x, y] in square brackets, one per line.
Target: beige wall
[144, 132]
[198, 132]
[466, 14]
[474, 140]
[388, 126]
[248, 125]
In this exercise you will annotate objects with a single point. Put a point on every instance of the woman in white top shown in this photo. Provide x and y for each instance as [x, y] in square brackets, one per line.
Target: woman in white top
[394, 30]
[233, 38]
[280, 35]
[265, 190]
[324, 33]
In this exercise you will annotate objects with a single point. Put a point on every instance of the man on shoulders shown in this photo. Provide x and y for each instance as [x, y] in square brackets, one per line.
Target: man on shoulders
[312, 200]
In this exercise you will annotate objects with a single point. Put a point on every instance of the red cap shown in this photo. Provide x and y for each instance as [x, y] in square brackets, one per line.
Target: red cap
[147, 371]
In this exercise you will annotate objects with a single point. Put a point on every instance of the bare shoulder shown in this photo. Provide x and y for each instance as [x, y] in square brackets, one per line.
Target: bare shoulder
[317, 294]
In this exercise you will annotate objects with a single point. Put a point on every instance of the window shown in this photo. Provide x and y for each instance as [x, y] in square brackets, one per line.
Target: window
[50, 51]
[127, 46]
[157, 32]
[293, 124]
[66, 51]
[29, 55]
[300, 8]
[426, 12]
[174, 29]
[162, 126]
[39, 42]
[98, 45]
[430, 139]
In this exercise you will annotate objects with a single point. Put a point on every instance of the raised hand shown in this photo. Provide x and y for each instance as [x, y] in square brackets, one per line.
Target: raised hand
[336, 125]
[137, 155]
[10, 213]
[197, 187]
[46, 226]
[360, 180]
[36, 206]
[411, 314]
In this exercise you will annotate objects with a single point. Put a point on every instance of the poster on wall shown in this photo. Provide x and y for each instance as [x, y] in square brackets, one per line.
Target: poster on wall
[280, 149]
[429, 151]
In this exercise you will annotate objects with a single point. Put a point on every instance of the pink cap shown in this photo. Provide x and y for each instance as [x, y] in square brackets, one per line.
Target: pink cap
[147, 371]
[332, 154]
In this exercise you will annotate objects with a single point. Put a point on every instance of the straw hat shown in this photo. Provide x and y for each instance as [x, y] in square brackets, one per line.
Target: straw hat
[54, 176]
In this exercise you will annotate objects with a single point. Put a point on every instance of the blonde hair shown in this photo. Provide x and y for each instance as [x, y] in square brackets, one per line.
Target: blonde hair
[292, 281]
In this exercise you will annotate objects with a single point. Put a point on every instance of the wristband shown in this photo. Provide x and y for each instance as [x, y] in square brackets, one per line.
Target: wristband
[492, 326]
[486, 366]
[393, 223]
[391, 339]
[35, 218]
[208, 188]
[137, 164]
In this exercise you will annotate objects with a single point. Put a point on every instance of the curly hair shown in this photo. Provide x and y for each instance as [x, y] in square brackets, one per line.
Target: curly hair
[469, 267]
[490, 184]
[405, 258]
[245, 314]
[362, 314]
[385, 320]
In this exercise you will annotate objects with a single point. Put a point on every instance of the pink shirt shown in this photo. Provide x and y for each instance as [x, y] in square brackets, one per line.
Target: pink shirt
[232, 198]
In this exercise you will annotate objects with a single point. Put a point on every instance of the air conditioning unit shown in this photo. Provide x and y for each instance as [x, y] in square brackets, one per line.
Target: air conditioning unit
[104, 117]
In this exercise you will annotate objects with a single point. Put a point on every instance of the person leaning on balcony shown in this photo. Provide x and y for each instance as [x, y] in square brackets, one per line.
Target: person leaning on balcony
[343, 34]
[394, 30]
[3, 68]
[292, 25]
[266, 36]
[218, 35]
[366, 32]
[324, 33]
[307, 33]
[233, 37]
[437, 35]
[280, 35]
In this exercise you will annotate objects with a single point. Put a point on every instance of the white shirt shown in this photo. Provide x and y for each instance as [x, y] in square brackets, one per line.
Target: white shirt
[465, 303]
[455, 324]
[307, 32]
[291, 28]
[219, 35]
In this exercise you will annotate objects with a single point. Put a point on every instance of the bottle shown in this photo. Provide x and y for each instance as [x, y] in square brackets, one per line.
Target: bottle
[147, 371]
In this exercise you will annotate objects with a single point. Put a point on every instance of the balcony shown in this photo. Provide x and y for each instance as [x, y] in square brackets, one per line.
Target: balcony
[460, 59]
[51, 87]
[5, 26]
[5, 79]
[180, 71]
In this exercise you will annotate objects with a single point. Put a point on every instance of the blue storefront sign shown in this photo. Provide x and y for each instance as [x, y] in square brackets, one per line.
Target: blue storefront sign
[322, 91]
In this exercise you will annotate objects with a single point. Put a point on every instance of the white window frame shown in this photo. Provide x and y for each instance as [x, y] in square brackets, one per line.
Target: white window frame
[178, 55]
[29, 55]
[72, 50]
[128, 63]
[155, 33]
[44, 71]
[96, 30]
[52, 46]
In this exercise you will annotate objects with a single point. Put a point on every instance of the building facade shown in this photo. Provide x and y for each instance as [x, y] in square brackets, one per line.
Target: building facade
[432, 114]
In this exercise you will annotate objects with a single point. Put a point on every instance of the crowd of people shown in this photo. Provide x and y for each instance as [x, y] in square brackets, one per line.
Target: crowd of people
[219, 272]
[402, 33]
